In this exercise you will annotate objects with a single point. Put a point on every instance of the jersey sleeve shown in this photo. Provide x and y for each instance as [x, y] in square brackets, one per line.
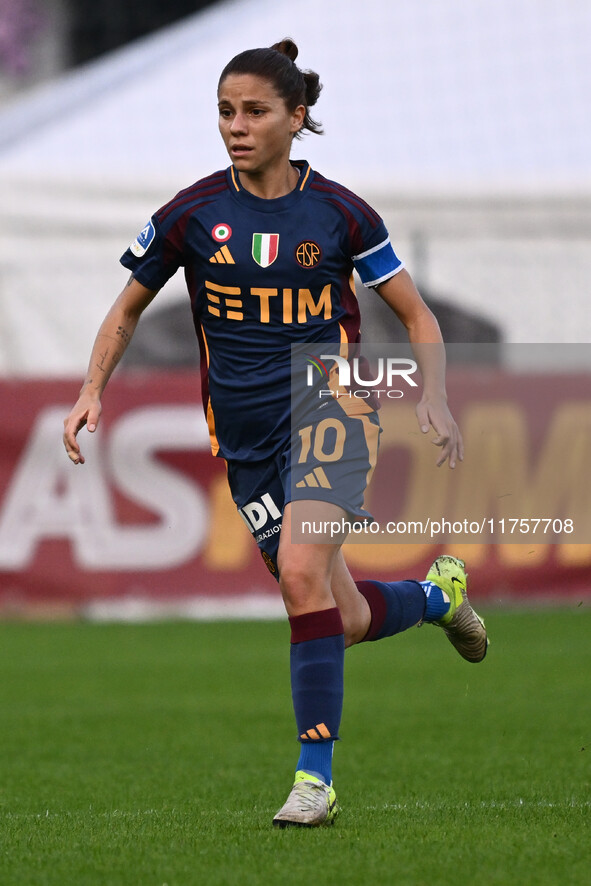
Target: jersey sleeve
[377, 263]
[155, 255]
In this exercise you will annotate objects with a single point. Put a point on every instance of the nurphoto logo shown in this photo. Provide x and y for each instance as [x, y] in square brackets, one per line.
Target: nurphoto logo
[352, 378]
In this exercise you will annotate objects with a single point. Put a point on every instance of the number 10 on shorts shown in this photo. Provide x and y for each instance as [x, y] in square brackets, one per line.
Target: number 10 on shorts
[326, 441]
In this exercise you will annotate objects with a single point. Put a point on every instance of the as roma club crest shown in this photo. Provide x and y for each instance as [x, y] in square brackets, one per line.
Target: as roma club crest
[265, 248]
[308, 254]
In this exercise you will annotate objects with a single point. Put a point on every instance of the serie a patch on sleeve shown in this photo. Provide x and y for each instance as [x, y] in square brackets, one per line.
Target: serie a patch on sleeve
[143, 241]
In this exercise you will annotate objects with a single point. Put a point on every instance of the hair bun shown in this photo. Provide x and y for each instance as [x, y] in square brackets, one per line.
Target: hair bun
[287, 47]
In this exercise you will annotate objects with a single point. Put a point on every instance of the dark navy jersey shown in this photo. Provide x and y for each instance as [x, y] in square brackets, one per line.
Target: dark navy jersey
[262, 275]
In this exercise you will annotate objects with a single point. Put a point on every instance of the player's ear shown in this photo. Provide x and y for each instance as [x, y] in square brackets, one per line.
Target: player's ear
[297, 118]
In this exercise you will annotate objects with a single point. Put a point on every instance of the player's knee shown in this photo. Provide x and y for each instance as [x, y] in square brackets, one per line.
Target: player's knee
[296, 582]
[303, 590]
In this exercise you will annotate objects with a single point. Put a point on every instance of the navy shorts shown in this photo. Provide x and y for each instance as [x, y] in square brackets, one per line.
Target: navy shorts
[329, 458]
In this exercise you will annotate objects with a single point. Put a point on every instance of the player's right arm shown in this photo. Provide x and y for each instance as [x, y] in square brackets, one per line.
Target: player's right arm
[109, 346]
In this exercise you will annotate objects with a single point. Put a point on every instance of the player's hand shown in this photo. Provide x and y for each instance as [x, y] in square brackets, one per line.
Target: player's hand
[87, 411]
[435, 414]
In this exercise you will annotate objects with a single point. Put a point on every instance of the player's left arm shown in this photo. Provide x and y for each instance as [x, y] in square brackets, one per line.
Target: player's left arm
[400, 294]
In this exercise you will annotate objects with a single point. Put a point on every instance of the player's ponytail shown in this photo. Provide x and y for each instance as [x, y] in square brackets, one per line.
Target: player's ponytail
[312, 84]
[277, 65]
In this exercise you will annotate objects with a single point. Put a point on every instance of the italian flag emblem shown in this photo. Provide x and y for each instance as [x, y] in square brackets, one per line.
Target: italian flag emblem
[265, 248]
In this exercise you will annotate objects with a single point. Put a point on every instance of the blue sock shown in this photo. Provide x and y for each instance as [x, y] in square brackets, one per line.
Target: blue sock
[437, 601]
[395, 606]
[316, 758]
[317, 657]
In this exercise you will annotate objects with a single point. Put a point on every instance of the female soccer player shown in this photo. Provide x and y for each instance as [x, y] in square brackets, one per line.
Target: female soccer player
[268, 247]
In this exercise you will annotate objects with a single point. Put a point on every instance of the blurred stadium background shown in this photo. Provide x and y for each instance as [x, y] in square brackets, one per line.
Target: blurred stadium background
[466, 125]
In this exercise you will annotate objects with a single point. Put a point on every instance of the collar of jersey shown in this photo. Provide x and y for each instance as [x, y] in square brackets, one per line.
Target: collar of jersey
[279, 203]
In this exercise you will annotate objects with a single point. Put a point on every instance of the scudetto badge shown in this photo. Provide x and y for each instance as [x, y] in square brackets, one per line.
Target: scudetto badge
[265, 248]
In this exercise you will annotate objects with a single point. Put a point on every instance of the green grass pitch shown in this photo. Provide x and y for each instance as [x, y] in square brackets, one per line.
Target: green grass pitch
[158, 754]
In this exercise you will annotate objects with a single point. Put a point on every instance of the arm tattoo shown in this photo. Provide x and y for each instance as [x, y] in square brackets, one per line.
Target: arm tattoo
[123, 334]
[115, 356]
[101, 364]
